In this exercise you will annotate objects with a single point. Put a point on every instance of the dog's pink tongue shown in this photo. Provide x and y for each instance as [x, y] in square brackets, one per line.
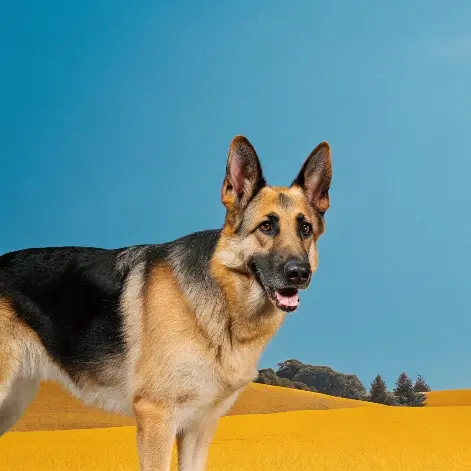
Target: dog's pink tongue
[289, 301]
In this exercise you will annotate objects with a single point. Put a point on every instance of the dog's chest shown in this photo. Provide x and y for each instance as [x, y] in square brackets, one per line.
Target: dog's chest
[219, 375]
[209, 379]
[211, 387]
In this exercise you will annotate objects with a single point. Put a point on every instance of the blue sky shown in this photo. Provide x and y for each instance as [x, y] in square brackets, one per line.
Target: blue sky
[115, 121]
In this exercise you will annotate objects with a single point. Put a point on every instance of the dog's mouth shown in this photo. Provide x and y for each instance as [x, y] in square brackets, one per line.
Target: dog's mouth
[286, 299]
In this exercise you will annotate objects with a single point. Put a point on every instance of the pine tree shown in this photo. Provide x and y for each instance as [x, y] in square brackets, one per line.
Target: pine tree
[378, 391]
[404, 390]
[420, 385]
[418, 399]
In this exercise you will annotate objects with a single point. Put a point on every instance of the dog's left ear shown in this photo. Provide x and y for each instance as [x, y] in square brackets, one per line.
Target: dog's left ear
[244, 176]
[315, 177]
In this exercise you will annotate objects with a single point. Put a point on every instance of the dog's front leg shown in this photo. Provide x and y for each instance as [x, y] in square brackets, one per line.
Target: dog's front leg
[155, 435]
[194, 442]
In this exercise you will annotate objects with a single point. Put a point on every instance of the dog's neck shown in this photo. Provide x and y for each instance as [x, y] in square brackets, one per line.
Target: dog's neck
[253, 317]
[227, 301]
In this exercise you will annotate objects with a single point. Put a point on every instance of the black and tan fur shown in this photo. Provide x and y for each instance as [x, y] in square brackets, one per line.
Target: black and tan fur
[169, 333]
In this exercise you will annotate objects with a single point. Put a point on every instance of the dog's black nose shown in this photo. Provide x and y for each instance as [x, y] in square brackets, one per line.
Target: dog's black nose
[297, 273]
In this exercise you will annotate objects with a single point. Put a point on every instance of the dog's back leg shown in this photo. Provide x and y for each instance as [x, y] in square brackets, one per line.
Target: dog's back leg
[16, 398]
[18, 385]
[16, 389]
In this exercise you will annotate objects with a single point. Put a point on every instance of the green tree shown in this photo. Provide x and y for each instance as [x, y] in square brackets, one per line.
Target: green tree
[378, 391]
[268, 376]
[418, 399]
[289, 368]
[421, 386]
[391, 399]
[404, 391]
[302, 386]
[327, 381]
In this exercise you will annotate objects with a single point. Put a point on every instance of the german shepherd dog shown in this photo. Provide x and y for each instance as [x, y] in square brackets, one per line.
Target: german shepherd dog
[170, 333]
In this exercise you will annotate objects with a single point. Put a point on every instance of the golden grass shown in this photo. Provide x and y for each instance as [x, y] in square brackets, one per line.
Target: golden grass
[325, 433]
[264, 399]
[353, 439]
[454, 397]
[54, 409]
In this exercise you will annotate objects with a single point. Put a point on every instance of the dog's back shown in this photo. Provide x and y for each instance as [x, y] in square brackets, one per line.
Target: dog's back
[60, 320]
[69, 297]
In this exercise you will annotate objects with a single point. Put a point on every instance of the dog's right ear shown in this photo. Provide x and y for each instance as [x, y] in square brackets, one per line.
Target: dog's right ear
[244, 176]
[315, 176]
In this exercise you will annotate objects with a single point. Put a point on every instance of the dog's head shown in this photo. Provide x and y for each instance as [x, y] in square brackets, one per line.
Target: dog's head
[272, 231]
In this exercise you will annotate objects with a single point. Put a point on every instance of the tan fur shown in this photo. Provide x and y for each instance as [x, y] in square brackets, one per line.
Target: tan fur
[24, 358]
[8, 349]
[155, 434]
[15, 338]
[17, 386]
[185, 358]
[187, 368]
[180, 379]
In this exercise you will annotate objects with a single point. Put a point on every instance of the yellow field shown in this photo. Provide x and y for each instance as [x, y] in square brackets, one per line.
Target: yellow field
[456, 397]
[345, 436]
[354, 439]
[54, 409]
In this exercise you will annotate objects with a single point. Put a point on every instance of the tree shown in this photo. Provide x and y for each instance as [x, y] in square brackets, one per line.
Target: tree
[404, 391]
[289, 368]
[268, 376]
[328, 381]
[391, 399]
[304, 387]
[378, 391]
[418, 399]
[421, 386]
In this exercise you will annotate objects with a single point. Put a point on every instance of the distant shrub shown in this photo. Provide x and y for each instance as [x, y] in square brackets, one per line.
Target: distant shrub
[304, 387]
[289, 368]
[268, 376]
[285, 382]
[391, 399]
[328, 381]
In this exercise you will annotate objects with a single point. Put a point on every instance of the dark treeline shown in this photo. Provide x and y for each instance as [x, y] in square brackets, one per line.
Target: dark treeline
[297, 375]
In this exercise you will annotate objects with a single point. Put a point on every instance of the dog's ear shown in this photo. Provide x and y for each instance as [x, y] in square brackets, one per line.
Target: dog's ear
[315, 177]
[244, 176]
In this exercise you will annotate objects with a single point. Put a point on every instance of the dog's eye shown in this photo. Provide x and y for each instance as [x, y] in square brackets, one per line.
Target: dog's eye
[266, 226]
[306, 229]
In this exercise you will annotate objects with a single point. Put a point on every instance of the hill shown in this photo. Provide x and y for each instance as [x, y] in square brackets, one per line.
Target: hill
[453, 397]
[55, 409]
[354, 439]
[265, 399]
